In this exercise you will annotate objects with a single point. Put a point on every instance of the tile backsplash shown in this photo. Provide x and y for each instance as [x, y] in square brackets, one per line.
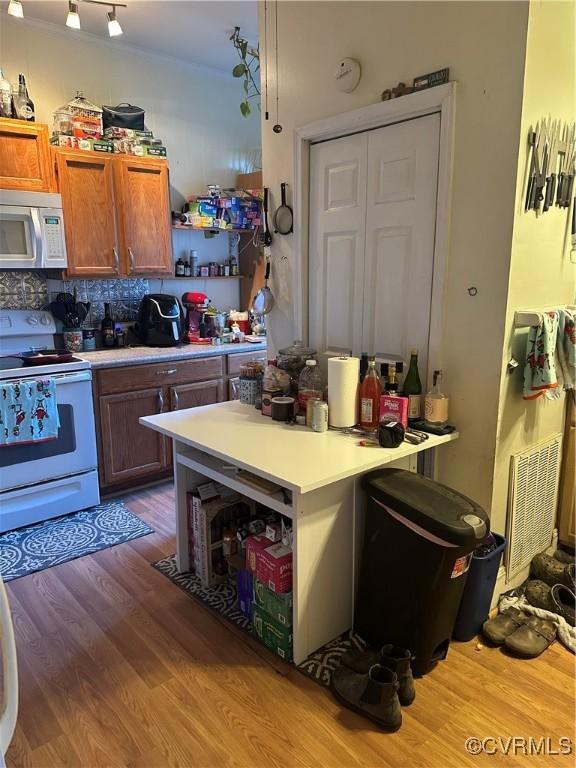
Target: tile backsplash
[22, 290]
[30, 290]
[122, 295]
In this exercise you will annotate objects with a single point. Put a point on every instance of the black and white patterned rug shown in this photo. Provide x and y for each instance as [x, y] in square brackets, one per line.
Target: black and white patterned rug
[56, 541]
[222, 599]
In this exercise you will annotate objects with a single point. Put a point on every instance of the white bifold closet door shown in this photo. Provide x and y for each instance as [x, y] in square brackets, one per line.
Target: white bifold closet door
[372, 228]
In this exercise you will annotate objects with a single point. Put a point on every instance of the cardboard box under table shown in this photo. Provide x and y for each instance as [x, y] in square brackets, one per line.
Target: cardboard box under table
[277, 606]
[273, 634]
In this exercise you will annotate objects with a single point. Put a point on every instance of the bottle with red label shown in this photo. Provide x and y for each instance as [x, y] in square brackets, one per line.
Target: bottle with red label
[370, 391]
[310, 385]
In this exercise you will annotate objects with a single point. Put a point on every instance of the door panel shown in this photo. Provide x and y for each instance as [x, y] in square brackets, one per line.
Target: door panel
[25, 156]
[128, 449]
[337, 232]
[145, 216]
[400, 229]
[87, 188]
[193, 395]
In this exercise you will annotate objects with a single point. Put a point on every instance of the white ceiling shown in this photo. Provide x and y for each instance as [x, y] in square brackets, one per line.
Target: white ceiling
[193, 30]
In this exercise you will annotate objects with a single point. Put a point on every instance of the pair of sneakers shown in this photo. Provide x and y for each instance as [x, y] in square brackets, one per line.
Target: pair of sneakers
[375, 683]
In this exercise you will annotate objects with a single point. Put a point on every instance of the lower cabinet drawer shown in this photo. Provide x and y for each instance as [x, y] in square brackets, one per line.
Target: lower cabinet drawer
[130, 377]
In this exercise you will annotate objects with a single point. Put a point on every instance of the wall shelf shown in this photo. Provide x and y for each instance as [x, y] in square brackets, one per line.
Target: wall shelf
[191, 228]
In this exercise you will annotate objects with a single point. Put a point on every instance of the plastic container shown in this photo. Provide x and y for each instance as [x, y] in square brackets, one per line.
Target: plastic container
[477, 596]
[419, 537]
[293, 359]
[309, 385]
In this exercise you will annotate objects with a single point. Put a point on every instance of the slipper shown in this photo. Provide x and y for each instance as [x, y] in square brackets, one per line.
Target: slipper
[532, 638]
[564, 603]
[550, 570]
[538, 594]
[507, 622]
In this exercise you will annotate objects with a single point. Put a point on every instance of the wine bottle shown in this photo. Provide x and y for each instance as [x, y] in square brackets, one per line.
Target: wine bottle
[107, 327]
[363, 366]
[436, 403]
[5, 96]
[23, 103]
[413, 388]
[370, 391]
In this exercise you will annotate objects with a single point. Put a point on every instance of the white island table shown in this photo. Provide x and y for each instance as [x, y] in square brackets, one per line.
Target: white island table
[319, 474]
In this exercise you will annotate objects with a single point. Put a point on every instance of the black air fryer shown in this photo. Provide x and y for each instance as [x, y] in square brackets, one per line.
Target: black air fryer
[160, 320]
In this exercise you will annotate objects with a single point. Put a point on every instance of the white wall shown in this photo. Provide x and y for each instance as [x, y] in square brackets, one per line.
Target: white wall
[195, 110]
[541, 274]
[483, 43]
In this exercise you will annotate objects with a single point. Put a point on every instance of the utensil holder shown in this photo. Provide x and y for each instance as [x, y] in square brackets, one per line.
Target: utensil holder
[72, 339]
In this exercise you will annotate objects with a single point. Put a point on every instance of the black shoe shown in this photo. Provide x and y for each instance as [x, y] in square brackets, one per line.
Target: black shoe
[374, 695]
[564, 603]
[390, 656]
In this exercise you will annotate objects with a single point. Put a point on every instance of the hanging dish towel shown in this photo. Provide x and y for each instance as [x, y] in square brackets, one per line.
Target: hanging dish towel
[540, 370]
[566, 348]
[28, 411]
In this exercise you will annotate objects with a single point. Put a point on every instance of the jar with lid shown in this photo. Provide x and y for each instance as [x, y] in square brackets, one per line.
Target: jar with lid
[292, 359]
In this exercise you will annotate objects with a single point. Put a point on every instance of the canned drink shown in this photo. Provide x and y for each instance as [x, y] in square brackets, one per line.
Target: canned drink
[320, 416]
[310, 409]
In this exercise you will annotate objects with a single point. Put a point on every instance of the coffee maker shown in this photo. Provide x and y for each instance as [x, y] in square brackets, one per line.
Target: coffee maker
[196, 304]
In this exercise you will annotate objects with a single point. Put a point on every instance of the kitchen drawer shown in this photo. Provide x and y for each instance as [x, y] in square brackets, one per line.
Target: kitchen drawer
[133, 377]
[241, 358]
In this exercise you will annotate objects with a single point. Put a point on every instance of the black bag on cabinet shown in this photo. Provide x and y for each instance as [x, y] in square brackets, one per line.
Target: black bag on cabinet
[123, 116]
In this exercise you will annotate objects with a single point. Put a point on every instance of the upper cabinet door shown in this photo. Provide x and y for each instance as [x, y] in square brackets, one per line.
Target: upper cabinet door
[400, 231]
[87, 187]
[25, 156]
[337, 237]
[145, 222]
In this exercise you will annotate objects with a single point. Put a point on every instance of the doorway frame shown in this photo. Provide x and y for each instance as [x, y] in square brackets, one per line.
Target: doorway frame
[442, 100]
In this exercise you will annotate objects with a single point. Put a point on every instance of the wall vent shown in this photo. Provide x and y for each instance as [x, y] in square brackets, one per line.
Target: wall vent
[533, 497]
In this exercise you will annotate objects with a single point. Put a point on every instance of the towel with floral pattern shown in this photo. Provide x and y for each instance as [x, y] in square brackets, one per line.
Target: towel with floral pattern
[28, 411]
[566, 348]
[540, 370]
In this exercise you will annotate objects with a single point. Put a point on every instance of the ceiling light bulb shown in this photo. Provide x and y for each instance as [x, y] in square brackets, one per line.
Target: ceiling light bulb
[114, 28]
[15, 9]
[73, 19]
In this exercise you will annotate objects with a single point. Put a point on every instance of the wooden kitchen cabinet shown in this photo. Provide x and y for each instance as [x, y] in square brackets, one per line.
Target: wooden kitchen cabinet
[128, 451]
[86, 181]
[199, 393]
[116, 214]
[25, 156]
[145, 219]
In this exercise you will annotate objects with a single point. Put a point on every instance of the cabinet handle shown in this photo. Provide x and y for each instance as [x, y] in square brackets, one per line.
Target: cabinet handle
[167, 372]
[176, 399]
[116, 261]
[161, 400]
[131, 259]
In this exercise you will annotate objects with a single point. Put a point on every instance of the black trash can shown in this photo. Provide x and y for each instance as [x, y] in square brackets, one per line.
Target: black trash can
[475, 603]
[418, 542]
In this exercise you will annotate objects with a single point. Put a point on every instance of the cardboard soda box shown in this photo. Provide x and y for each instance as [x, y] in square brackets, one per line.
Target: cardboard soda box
[278, 607]
[274, 636]
[254, 545]
[393, 408]
[274, 568]
[244, 587]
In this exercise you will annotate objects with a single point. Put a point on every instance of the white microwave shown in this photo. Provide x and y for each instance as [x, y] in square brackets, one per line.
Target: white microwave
[31, 230]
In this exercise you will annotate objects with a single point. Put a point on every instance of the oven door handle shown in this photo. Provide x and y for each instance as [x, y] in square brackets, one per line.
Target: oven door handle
[35, 216]
[72, 378]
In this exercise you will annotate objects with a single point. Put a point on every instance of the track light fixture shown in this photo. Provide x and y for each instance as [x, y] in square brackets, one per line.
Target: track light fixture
[114, 28]
[73, 19]
[15, 9]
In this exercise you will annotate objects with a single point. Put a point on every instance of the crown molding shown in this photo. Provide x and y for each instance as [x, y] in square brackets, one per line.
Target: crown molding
[90, 38]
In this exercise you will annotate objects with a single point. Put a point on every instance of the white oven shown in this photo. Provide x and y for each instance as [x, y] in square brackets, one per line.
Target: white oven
[31, 230]
[51, 478]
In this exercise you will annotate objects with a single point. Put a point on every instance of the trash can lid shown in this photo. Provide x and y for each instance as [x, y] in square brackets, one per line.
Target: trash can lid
[434, 507]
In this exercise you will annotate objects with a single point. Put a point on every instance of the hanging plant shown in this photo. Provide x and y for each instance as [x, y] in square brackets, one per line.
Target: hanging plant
[247, 70]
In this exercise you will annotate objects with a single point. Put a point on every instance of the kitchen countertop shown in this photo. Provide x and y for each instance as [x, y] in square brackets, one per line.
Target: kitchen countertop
[112, 358]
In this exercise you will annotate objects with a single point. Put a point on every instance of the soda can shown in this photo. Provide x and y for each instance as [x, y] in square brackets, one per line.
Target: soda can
[320, 416]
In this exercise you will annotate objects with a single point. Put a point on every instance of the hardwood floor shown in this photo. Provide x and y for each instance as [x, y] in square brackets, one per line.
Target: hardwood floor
[118, 667]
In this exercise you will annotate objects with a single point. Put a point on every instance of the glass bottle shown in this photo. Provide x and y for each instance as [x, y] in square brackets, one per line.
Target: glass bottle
[413, 388]
[392, 383]
[436, 403]
[370, 391]
[22, 102]
[179, 269]
[187, 269]
[107, 326]
[363, 365]
[5, 96]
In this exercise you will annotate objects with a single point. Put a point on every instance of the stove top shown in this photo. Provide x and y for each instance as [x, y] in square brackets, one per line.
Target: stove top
[22, 330]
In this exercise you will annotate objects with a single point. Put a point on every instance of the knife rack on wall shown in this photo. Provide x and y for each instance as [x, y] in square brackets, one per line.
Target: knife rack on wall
[552, 166]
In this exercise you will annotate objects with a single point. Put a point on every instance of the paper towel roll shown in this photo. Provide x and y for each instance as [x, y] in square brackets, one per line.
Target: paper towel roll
[343, 375]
